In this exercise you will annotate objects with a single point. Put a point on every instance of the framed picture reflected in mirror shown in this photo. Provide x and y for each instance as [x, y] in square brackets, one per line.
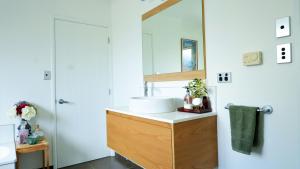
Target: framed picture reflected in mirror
[189, 55]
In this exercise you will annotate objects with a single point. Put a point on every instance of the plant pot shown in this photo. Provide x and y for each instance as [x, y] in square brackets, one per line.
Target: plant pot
[197, 101]
[32, 140]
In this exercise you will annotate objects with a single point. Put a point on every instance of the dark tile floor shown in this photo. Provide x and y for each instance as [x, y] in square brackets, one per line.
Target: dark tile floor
[106, 163]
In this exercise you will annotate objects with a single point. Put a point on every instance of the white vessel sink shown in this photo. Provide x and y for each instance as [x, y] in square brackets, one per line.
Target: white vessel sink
[4, 152]
[7, 154]
[7, 147]
[146, 105]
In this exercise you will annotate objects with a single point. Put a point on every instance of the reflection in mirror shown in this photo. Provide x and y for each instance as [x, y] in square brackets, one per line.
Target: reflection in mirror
[173, 39]
[189, 55]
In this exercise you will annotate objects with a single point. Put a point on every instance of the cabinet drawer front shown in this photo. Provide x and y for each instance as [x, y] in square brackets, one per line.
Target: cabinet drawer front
[195, 144]
[147, 144]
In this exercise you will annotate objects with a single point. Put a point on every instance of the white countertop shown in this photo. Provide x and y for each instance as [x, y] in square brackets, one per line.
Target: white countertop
[7, 153]
[172, 117]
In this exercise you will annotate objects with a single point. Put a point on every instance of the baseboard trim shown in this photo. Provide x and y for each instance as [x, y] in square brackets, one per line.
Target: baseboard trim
[50, 167]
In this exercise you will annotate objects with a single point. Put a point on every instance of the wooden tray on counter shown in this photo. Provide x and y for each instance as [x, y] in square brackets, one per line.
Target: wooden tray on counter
[195, 110]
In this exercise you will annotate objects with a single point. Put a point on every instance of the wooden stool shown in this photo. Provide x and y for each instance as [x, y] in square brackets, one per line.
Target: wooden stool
[26, 148]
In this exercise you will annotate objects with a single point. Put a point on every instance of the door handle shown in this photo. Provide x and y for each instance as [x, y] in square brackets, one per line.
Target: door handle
[62, 101]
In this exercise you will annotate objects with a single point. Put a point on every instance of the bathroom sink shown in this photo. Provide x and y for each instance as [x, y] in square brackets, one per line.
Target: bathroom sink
[146, 105]
[4, 152]
[7, 147]
[7, 154]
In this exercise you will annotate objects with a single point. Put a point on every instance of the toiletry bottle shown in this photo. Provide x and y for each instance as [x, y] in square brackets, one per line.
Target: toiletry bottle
[38, 133]
[188, 100]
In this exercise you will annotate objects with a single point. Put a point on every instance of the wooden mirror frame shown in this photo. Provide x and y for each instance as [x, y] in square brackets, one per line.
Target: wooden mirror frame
[177, 76]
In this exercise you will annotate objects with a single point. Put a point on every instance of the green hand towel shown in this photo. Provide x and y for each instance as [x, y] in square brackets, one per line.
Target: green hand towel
[243, 127]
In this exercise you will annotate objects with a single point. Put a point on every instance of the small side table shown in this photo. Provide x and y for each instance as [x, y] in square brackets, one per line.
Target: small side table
[26, 148]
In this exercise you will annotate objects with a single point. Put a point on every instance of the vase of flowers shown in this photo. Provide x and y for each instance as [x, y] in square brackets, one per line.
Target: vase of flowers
[25, 112]
[198, 91]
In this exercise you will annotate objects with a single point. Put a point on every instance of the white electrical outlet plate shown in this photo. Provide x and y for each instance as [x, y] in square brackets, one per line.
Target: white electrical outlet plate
[224, 77]
[283, 27]
[284, 54]
[47, 75]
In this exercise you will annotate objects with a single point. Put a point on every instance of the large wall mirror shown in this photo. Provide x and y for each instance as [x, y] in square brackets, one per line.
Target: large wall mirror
[174, 41]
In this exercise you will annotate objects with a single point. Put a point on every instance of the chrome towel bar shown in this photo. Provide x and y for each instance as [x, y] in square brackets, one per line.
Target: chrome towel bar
[266, 109]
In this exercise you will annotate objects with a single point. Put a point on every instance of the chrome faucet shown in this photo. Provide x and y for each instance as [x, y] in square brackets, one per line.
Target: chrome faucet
[146, 89]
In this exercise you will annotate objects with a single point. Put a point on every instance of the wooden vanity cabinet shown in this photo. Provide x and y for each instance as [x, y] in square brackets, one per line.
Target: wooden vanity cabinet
[159, 145]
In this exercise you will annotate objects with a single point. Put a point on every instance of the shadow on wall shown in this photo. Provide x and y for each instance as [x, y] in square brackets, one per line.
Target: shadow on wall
[45, 119]
[259, 134]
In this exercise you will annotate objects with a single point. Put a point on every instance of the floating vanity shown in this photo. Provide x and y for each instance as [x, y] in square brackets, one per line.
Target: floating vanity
[142, 133]
[172, 140]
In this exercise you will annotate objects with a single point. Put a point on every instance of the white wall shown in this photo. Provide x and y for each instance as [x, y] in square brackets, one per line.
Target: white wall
[234, 27]
[126, 51]
[26, 45]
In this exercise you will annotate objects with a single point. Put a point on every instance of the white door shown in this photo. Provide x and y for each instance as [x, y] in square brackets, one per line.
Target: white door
[82, 81]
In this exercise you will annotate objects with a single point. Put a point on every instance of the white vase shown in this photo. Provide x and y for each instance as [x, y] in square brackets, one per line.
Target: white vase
[197, 101]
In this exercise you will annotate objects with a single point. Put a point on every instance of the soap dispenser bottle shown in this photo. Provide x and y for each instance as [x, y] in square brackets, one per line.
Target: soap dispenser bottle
[188, 100]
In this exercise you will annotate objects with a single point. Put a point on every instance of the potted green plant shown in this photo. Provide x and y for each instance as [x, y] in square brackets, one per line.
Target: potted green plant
[198, 91]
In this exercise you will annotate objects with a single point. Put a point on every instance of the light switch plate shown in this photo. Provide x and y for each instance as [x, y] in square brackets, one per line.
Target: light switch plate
[252, 58]
[47, 75]
[284, 54]
[224, 77]
[283, 27]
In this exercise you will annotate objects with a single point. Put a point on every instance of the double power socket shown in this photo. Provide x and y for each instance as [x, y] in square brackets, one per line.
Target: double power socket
[224, 77]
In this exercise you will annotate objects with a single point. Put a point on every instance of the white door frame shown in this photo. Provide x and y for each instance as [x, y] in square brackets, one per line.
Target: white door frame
[53, 82]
